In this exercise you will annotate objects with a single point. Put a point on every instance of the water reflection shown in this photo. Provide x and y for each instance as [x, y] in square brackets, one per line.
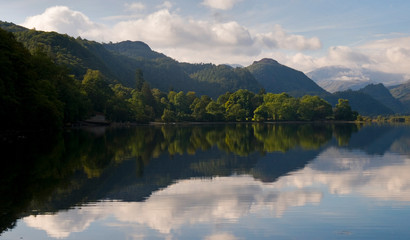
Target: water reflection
[161, 181]
[195, 201]
[230, 199]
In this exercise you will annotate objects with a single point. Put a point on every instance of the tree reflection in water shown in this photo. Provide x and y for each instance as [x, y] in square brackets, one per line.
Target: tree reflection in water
[48, 174]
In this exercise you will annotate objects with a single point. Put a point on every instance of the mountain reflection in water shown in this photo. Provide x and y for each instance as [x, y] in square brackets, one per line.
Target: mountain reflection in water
[208, 182]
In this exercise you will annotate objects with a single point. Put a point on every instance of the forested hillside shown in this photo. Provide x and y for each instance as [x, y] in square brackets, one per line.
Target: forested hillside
[119, 62]
[49, 79]
[34, 92]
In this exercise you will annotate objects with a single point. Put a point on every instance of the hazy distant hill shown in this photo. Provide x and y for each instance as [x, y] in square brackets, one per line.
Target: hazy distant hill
[382, 94]
[402, 93]
[361, 102]
[277, 78]
[336, 78]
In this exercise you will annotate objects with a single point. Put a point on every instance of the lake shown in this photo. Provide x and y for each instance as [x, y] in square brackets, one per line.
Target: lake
[211, 182]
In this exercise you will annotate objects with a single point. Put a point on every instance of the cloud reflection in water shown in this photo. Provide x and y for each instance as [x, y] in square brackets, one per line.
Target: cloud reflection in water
[228, 199]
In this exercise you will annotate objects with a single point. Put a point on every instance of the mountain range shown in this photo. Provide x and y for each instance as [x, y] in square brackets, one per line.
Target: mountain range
[119, 62]
[337, 78]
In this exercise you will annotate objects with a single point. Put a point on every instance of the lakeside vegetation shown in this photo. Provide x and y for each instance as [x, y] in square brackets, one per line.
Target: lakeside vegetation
[388, 119]
[36, 93]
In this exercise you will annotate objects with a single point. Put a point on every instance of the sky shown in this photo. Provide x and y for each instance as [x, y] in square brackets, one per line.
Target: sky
[303, 34]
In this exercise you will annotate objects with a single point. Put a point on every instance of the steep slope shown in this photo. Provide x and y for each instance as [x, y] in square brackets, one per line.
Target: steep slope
[228, 78]
[64, 50]
[360, 102]
[120, 61]
[402, 93]
[277, 78]
[207, 79]
[337, 78]
[382, 94]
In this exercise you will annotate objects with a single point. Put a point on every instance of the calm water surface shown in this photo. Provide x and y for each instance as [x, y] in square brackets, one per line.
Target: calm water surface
[211, 182]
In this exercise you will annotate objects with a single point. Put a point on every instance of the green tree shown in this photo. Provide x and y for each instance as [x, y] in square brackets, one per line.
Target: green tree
[97, 89]
[245, 100]
[216, 111]
[235, 112]
[161, 102]
[139, 79]
[168, 116]
[139, 109]
[343, 111]
[261, 113]
[181, 104]
[288, 110]
[278, 106]
[313, 108]
[198, 107]
[222, 99]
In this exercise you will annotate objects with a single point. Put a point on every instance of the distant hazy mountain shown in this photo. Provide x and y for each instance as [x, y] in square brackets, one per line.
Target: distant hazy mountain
[402, 93]
[336, 78]
[277, 78]
[383, 95]
[361, 102]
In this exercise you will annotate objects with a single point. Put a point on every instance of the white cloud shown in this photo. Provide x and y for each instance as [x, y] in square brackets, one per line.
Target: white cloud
[336, 56]
[389, 56]
[166, 5]
[63, 224]
[221, 236]
[278, 38]
[64, 20]
[345, 55]
[345, 172]
[135, 6]
[220, 4]
[192, 40]
[182, 38]
[195, 201]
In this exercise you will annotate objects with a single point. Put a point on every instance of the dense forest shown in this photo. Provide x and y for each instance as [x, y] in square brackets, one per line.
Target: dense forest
[35, 93]
[38, 94]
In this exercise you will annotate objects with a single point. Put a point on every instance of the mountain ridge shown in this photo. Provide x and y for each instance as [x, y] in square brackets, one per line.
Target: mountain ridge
[278, 78]
[402, 93]
[120, 61]
[383, 95]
